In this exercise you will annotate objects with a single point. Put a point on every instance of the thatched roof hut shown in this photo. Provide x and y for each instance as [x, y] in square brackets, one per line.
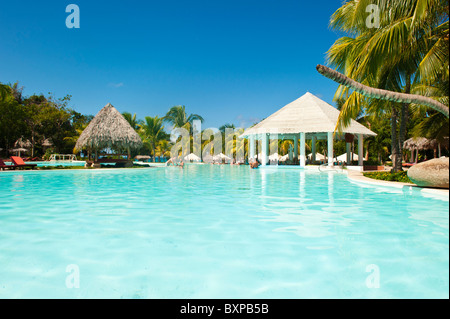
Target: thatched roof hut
[47, 142]
[419, 143]
[109, 129]
[21, 143]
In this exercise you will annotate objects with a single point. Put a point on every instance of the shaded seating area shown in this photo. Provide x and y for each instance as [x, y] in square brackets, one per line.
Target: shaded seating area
[109, 131]
[307, 118]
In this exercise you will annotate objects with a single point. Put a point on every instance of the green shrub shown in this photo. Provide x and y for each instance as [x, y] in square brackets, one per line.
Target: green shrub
[388, 176]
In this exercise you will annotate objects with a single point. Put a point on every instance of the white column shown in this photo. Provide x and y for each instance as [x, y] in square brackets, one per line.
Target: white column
[302, 150]
[264, 149]
[313, 148]
[330, 148]
[360, 150]
[295, 147]
[349, 153]
[251, 141]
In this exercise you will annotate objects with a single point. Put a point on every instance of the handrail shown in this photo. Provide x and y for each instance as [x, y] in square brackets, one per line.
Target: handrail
[333, 166]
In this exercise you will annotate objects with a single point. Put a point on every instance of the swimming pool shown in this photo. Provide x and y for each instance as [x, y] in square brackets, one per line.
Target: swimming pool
[217, 231]
[59, 163]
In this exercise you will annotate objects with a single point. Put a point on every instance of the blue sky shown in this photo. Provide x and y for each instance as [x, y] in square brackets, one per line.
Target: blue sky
[229, 61]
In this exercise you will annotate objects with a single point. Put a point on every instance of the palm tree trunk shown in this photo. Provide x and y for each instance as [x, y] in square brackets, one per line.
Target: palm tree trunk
[394, 140]
[154, 152]
[403, 123]
[32, 143]
[381, 94]
[366, 156]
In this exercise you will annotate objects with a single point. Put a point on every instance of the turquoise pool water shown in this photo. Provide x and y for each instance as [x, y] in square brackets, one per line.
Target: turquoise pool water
[59, 163]
[217, 231]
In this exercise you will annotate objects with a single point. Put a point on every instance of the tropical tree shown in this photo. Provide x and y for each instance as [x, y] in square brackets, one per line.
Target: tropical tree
[135, 123]
[409, 47]
[152, 133]
[13, 114]
[178, 117]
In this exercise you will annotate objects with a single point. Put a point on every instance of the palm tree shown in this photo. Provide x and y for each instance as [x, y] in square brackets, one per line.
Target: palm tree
[135, 124]
[152, 132]
[410, 47]
[178, 117]
[226, 141]
[163, 148]
[432, 124]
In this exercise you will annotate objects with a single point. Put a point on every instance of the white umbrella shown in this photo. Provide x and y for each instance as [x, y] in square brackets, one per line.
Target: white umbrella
[318, 156]
[343, 157]
[192, 158]
[274, 157]
[220, 157]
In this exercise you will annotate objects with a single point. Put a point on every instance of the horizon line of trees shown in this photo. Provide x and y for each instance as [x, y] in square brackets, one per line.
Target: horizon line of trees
[49, 126]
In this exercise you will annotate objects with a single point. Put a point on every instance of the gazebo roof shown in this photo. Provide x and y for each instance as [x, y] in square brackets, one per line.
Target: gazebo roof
[307, 114]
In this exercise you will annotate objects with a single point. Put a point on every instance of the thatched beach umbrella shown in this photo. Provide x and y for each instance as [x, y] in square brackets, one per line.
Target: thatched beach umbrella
[20, 143]
[47, 143]
[142, 157]
[18, 150]
[109, 129]
[417, 144]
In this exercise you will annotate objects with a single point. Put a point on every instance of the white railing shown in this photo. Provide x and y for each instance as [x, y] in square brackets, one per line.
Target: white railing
[63, 157]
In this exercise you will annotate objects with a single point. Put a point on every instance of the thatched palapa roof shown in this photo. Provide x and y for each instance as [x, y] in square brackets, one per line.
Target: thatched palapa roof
[419, 143]
[109, 129]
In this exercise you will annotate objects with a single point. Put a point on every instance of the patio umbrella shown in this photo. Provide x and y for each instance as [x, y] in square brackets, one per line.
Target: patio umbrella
[142, 157]
[274, 157]
[343, 157]
[283, 158]
[220, 157]
[318, 156]
[192, 158]
[417, 144]
[18, 150]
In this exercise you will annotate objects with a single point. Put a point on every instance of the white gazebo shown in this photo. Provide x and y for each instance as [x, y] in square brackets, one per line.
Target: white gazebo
[305, 118]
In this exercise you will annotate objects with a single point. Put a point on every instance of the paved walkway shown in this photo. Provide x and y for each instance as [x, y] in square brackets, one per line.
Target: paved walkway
[359, 177]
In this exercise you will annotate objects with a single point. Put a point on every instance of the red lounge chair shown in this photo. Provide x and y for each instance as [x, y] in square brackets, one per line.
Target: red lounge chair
[4, 166]
[18, 162]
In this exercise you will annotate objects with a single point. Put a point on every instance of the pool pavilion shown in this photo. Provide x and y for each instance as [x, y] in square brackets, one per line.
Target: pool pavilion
[307, 118]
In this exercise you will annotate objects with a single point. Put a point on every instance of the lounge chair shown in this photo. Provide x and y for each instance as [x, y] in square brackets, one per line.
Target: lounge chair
[4, 166]
[19, 163]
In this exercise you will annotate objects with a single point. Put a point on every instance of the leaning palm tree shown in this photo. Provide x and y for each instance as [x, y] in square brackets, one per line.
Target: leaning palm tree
[382, 94]
[409, 47]
[178, 117]
[152, 132]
